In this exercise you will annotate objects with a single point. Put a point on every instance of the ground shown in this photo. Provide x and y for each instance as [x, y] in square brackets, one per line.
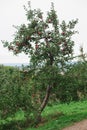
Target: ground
[82, 125]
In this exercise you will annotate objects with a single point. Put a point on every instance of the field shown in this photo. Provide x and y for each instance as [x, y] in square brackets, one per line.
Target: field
[57, 116]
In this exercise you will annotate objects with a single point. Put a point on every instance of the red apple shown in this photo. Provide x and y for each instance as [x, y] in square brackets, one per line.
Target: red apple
[49, 20]
[16, 51]
[65, 44]
[17, 43]
[63, 49]
[36, 46]
[10, 48]
[23, 44]
[39, 33]
[63, 33]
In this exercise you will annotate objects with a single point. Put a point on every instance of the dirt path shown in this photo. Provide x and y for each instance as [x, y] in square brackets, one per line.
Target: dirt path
[82, 125]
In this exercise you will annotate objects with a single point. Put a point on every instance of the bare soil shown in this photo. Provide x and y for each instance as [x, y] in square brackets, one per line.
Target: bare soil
[82, 125]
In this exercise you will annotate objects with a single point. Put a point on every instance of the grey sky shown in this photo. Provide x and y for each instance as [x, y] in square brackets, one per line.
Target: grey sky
[12, 13]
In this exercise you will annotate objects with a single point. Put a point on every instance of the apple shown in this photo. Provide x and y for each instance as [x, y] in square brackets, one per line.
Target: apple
[17, 43]
[36, 46]
[49, 20]
[16, 51]
[63, 33]
[39, 33]
[46, 26]
[63, 49]
[65, 44]
[10, 48]
[23, 44]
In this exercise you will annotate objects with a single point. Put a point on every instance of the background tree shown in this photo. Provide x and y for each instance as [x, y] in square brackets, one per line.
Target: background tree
[48, 44]
[78, 72]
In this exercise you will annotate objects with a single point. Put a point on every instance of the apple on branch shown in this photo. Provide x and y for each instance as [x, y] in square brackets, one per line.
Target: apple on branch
[39, 33]
[10, 48]
[49, 20]
[36, 46]
[63, 33]
[16, 51]
[17, 43]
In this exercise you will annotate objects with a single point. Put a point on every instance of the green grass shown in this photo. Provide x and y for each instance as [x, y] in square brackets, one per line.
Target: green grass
[17, 117]
[59, 116]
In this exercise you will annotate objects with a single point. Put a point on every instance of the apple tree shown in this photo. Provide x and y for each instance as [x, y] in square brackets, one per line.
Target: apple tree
[49, 45]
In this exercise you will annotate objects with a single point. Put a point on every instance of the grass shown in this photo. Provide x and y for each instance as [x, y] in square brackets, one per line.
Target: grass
[58, 116]
[17, 117]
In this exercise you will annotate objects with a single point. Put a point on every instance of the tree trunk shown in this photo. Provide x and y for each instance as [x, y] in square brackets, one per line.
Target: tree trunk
[43, 105]
[46, 98]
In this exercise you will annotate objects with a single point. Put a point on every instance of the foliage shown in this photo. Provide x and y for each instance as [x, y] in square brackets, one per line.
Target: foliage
[78, 72]
[66, 90]
[42, 39]
[14, 92]
[26, 98]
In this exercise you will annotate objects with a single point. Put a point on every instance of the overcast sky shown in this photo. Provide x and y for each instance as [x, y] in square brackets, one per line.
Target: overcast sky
[13, 13]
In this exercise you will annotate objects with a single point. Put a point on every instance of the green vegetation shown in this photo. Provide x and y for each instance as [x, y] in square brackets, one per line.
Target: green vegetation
[59, 116]
[49, 79]
[56, 116]
[19, 102]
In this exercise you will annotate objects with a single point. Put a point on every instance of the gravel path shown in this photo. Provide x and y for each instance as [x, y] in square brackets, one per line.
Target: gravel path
[82, 125]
